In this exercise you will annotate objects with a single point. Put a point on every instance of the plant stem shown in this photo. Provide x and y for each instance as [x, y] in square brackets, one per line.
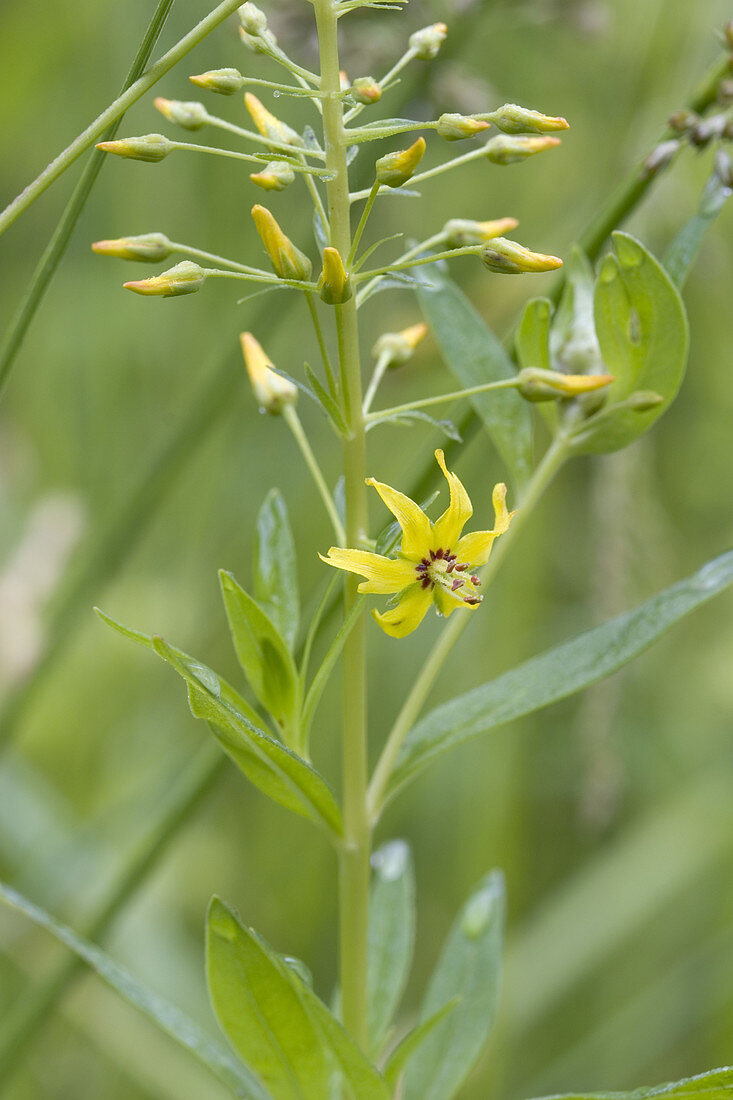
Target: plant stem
[438, 399]
[321, 344]
[543, 475]
[419, 261]
[118, 107]
[362, 223]
[293, 422]
[354, 858]
[374, 382]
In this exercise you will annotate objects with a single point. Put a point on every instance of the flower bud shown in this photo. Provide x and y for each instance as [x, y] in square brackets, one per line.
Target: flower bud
[344, 82]
[366, 90]
[460, 232]
[271, 390]
[399, 346]
[191, 116]
[287, 260]
[184, 278]
[643, 401]
[258, 43]
[507, 150]
[660, 157]
[513, 119]
[683, 120]
[223, 81]
[334, 286]
[394, 169]
[149, 247]
[724, 168]
[150, 147]
[275, 176]
[253, 20]
[509, 258]
[707, 129]
[268, 125]
[549, 385]
[458, 127]
[427, 42]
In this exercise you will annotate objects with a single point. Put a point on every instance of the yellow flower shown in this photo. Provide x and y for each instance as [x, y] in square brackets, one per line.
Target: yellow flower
[435, 563]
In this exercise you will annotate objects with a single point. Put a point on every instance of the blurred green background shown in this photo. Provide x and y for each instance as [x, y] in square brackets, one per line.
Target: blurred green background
[611, 814]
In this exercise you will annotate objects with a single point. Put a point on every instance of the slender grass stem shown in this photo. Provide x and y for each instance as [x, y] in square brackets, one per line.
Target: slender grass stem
[293, 422]
[117, 108]
[543, 475]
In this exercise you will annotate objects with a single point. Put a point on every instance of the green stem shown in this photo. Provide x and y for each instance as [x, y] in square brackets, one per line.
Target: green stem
[419, 261]
[423, 246]
[438, 399]
[260, 139]
[354, 858]
[321, 344]
[232, 154]
[31, 1011]
[293, 422]
[118, 107]
[543, 475]
[362, 222]
[374, 382]
[199, 254]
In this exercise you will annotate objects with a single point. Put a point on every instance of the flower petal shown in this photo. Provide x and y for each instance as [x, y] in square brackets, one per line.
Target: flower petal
[447, 529]
[447, 604]
[408, 614]
[384, 575]
[411, 518]
[475, 548]
[502, 518]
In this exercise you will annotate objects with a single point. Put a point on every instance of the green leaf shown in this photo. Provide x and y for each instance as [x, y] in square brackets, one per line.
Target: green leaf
[643, 334]
[533, 335]
[263, 655]
[558, 673]
[469, 968]
[681, 254]
[259, 1009]
[164, 1015]
[275, 568]
[326, 401]
[252, 985]
[391, 936]
[412, 416]
[475, 355]
[268, 764]
[404, 1051]
[717, 1084]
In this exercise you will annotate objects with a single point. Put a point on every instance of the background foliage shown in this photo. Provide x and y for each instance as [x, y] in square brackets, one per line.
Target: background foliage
[610, 815]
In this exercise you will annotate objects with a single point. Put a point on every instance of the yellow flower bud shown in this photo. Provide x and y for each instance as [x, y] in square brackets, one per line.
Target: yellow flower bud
[275, 176]
[184, 278]
[513, 119]
[509, 258]
[268, 125]
[427, 42]
[253, 20]
[334, 286]
[150, 147]
[366, 90]
[459, 232]
[223, 81]
[394, 169]
[399, 346]
[271, 390]
[150, 247]
[458, 127]
[549, 385]
[287, 260]
[191, 116]
[507, 150]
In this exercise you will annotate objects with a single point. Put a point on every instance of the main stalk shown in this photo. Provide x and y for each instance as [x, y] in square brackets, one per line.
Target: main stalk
[354, 858]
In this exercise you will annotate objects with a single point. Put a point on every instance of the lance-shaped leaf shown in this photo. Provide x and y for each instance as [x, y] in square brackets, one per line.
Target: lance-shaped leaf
[475, 355]
[717, 1084]
[407, 1047]
[682, 252]
[275, 1021]
[275, 570]
[469, 968]
[643, 335]
[391, 936]
[162, 1013]
[263, 655]
[558, 673]
[267, 763]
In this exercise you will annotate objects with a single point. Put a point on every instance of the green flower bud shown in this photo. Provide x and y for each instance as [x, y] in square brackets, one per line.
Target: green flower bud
[287, 260]
[149, 247]
[458, 127]
[506, 257]
[275, 176]
[394, 169]
[427, 42]
[504, 149]
[253, 20]
[536, 384]
[223, 81]
[399, 346]
[460, 232]
[365, 90]
[513, 119]
[191, 116]
[184, 278]
[149, 147]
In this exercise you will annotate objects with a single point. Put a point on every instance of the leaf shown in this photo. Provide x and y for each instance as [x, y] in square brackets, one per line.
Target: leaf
[474, 355]
[469, 968]
[404, 1051]
[262, 653]
[681, 254]
[412, 416]
[327, 403]
[164, 1015]
[275, 570]
[643, 334]
[322, 676]
[243, 968]
[560, 672]
[396, 280]
[391, 936]
[717, 1084]
[260, 1012]
[533, 335]
[268, 764]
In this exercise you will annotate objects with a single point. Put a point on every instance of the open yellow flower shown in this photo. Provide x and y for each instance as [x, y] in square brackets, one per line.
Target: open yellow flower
[436, 563]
